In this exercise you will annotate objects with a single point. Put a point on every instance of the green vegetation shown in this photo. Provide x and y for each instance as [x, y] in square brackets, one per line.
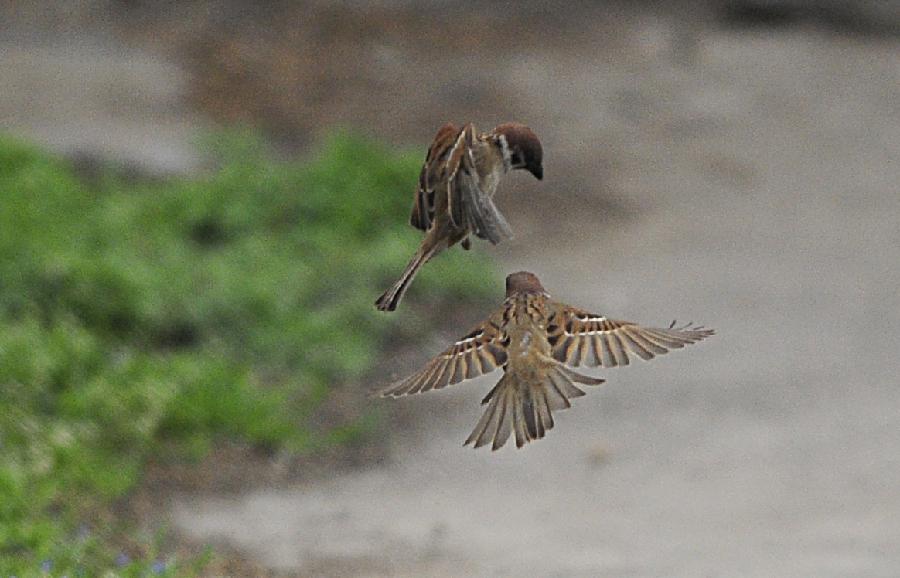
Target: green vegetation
[155, 318]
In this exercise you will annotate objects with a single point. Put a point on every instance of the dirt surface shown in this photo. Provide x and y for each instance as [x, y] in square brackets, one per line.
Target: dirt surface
[746, 179]
[763, 172]
[97, 99]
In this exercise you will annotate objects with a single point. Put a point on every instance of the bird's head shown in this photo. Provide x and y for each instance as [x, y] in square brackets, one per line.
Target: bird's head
[521, 148]
[523, 282]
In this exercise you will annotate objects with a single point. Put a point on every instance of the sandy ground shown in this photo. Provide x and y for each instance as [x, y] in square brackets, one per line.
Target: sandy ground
[89, 96]
[764, 174]
[754, 178]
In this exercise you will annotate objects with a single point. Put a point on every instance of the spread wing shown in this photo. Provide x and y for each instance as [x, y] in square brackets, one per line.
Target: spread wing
[480, 352]
[434, 171]
[578, 337]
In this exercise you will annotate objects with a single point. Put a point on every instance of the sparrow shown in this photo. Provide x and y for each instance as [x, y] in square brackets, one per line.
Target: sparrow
[534, 338]
[456, 184]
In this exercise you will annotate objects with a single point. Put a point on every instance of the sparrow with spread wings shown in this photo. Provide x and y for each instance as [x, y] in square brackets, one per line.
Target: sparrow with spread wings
[458, 180]
[533, 339]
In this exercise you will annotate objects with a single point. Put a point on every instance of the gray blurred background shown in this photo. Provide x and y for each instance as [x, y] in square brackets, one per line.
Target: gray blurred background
[734, 163]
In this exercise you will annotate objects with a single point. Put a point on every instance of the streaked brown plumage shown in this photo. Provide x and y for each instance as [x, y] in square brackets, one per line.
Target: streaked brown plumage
[533, 339]
[454, 199]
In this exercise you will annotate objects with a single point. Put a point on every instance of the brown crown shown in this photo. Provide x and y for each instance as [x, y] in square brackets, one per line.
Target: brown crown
[523, 282]
[522, 139]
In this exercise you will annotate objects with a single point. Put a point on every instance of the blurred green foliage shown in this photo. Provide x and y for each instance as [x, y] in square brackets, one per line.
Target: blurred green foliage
[138, 319]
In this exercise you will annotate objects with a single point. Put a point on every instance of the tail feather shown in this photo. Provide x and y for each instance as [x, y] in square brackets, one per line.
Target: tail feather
[526, 409]
[391, 298]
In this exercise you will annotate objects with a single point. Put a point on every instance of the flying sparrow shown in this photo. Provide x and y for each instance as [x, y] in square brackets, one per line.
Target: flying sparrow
[533, 339]
[458, 179]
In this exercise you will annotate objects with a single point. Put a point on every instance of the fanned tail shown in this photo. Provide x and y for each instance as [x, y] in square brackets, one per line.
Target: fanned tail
[391, 298]
[525, 409]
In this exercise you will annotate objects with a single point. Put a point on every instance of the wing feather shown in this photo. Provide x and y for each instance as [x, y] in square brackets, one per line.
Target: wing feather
[460, 151]
[434, 170]
[578, 337]
[479, 210]
[478, 353]
[469, 204]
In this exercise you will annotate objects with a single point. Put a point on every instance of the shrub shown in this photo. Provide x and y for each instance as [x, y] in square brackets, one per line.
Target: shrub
[137, 317]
